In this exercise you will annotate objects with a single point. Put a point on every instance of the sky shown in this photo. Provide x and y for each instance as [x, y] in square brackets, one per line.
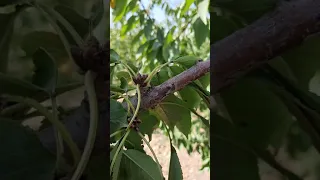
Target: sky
[157, 13]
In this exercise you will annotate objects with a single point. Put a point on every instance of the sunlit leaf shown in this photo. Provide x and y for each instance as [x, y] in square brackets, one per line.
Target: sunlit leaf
[138, 165]
[175, 171]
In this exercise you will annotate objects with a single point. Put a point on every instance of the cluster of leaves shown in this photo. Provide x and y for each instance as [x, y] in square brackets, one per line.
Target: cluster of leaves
[275, 106]
[162, 50]
[40, 49]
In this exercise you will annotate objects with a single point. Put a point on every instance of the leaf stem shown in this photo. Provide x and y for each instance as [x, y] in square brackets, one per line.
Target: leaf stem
[59, 140]
[137, 109]
[127, 129]
[63, 131]
[115, 133]
[153, 153]
[154, 72]
[127, 100]
[94, 117]
[128, 68]
[118, 150]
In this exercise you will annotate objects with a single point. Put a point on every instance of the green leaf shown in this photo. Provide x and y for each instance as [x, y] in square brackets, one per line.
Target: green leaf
[160, 77]
[186, 7]
[257, 112]
[169, 107]
[143, 47]
[132, 66]
[132, 22]
[120, 10]
[160, 35]
[141, 18]
[14, 86]
[149, 123]
[22, 155]
[123, 74]
[201, 32]
[46, 71]
[148, 29]
[190, 96]
[205, 80]
[6, 31]
[139, 166]
[134, 141]
[36, 39]
[137, 37]
[123, 83]
[296, 58]
[175, 171]
[114, 56]
[231, 159]
[132, 6]
[169, 37]
[187, 61]
[203, 8]
[118, 116]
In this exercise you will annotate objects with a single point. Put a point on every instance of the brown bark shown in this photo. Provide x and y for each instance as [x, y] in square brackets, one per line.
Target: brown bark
[287, 26]
[158, 93]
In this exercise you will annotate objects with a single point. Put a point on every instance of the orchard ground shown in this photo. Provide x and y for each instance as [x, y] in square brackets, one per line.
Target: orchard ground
[190, 164]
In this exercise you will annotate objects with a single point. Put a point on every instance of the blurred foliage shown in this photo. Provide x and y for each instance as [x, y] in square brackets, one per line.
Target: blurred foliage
[36, 65]
[273, 107]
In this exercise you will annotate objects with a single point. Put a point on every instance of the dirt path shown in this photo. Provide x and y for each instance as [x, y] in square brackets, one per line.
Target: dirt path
[190, 164]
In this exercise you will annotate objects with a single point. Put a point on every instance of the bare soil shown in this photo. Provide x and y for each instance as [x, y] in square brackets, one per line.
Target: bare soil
[190, 164]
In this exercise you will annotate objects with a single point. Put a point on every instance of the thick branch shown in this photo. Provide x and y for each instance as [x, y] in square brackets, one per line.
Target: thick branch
[263, 40]
[158, 93]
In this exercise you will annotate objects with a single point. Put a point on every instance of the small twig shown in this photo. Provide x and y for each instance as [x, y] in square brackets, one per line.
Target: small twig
[89, 83]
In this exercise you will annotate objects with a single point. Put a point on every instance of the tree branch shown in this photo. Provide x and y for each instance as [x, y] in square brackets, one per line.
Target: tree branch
[287, 26]
[158, 93]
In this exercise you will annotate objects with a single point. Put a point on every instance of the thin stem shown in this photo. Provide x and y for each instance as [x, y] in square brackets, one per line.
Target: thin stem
[154, 72]
[137, 109]
[118, 150]
[165, 126]
[63, 131]
[127, 129]
[128, 68]
[59, 140]
[89, 84]
[63, 38]
[67, 25]
[115, 133]
[127, 100]
[153, 153]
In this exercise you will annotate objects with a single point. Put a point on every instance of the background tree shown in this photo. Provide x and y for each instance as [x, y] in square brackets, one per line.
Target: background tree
[159, 49]
[265, 89]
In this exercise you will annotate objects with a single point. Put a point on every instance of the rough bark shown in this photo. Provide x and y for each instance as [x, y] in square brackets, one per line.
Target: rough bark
[158, 93]
[287, 26]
